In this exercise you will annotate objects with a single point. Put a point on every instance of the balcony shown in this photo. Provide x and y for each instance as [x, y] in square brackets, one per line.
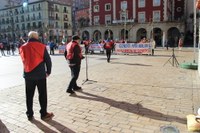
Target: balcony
[65, 19]
[33, 18]
[51, 18]
[38, 8]
[22, 11]
[38, 18]
[16, 13]
[57, 18]
[51, 26]
[65, 11]
[56, 10]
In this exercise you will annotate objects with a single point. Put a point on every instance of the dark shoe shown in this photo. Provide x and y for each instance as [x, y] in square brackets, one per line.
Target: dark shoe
[48, 116]
[30, 118]
[70, 91]
[77, 88]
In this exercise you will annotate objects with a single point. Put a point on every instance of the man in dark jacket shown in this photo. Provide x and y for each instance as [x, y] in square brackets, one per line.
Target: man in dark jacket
[74, 57]
[37, 67]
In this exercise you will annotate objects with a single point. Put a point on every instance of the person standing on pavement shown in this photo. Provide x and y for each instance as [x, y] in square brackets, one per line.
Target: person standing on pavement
[52, 46]
[108, 46]
[86, 44]
[13, 48]
[180, 44]
[74, 57]
[21, 42]
[2, 49]
[153, 45]
[37, 67]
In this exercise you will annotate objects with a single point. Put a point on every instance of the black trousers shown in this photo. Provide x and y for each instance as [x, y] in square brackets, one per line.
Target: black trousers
[74, 76]
[2, 52]
[51, 50]
[108, 54]
[42, 91]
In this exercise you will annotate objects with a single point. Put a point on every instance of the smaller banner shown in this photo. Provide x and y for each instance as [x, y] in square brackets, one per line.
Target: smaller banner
[96, 47]
[61, 49]
[132, 48]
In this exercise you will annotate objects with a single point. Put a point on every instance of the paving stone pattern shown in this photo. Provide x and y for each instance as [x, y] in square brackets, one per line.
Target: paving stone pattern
[132, 94]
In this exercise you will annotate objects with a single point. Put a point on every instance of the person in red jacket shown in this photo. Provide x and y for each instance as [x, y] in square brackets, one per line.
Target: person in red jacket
[74, 57]
[86, 44]
[108, 46]
[37, 67]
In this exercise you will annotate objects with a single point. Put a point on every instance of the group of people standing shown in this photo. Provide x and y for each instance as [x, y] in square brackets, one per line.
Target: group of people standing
[10, 47]
[37, 67]
[4, 46]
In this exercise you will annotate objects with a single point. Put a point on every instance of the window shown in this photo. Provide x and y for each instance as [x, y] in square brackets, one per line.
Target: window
[141, 17]
[107, 7]
[141, 3]
[123, 16]
[96, 8]
[96, 20]
[108, 19]
[65, 10]
[39, 24]
[57, 25]
[156, 16]
[65, 25]
[156, 2]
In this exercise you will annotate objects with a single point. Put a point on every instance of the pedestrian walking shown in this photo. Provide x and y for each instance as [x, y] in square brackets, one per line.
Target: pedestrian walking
[21, 42]
[153, 45]
[180, 44]
[8, 48]
[108, 46]
[74, 57]
[86, 45]
[37, 67]
[52, 46]
[2, 49]
[13, 48]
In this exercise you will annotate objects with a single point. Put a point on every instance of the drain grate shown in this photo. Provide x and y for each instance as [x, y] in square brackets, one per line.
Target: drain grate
[169, 129]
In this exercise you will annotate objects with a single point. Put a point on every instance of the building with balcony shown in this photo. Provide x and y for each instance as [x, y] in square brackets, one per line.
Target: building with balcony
[132, 20]
[52, 20]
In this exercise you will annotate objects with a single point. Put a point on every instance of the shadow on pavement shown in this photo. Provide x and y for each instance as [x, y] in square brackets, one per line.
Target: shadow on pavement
[59, 126]
[3, 128]
[42, 127]
[136, 64]
[133, 108]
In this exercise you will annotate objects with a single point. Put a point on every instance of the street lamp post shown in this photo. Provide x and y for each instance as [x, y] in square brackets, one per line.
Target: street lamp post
[124, 12]
[11, 4]
[125, 15]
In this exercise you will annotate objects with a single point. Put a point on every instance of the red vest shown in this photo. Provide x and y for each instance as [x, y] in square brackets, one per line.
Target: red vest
[70, 50]
[32, 54]
[108, 45]
[86, 42]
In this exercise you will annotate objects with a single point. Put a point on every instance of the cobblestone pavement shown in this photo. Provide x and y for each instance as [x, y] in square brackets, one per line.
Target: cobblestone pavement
[132, 94]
